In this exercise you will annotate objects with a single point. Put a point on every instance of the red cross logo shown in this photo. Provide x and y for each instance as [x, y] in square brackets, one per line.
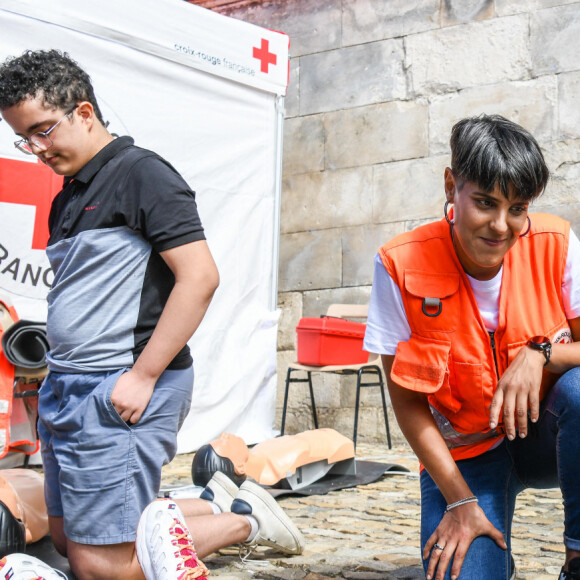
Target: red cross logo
[30, 184]
[264, 55]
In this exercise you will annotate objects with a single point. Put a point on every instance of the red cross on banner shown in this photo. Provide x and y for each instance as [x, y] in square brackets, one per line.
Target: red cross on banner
[30, 184]
[264, 55]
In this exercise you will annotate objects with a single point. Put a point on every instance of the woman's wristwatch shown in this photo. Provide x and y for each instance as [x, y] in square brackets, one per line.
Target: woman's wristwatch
[543, 344]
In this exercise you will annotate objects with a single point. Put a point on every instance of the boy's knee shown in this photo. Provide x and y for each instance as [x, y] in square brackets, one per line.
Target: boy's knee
[60, 548]
[55, 527]
[87, 570]
[104, 562]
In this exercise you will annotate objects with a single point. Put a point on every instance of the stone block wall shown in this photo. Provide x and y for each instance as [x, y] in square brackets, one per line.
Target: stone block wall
[375, 87]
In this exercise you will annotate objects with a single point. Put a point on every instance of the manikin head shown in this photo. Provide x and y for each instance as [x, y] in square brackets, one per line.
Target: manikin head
[228, 454]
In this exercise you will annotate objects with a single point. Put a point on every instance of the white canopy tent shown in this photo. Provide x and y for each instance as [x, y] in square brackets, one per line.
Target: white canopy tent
[205, 92]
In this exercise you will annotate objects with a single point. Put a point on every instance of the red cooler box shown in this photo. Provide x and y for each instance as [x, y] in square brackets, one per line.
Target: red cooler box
[330, 341]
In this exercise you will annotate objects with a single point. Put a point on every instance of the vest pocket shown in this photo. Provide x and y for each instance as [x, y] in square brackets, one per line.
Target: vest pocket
[432, 300]
[467, 388]
[421, 364]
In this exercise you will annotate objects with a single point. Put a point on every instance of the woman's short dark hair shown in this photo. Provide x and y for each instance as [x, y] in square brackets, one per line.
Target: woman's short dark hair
[490, 149]
[49, 75]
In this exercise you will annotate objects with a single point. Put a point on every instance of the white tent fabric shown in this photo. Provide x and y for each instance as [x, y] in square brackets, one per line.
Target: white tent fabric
[206, 92]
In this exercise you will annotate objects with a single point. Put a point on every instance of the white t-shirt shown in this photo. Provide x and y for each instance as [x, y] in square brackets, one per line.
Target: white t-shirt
[387, 323]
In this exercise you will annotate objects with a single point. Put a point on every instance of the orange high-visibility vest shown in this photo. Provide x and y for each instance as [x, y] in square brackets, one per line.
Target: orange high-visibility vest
[451, 356]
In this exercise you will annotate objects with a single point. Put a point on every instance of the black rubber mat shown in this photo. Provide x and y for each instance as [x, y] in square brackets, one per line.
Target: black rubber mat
[366, 472]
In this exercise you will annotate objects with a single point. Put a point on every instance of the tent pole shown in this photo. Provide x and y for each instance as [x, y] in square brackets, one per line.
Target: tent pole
[277, 200]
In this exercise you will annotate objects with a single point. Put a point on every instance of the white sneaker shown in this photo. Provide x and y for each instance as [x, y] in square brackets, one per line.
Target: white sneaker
[221, 490]
[164, 545]
[25, 567]
[275, 527]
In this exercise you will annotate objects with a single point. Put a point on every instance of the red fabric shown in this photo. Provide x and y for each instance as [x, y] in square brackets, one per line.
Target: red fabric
[7, 376]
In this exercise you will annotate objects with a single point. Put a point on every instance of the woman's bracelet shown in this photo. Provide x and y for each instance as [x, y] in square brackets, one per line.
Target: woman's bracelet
[470, 499]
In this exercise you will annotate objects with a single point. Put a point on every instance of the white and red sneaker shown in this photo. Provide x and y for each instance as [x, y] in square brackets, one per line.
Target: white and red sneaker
[164, 545]
[25, 567]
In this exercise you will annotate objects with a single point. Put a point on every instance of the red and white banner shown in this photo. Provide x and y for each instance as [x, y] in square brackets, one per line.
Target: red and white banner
[26, 192]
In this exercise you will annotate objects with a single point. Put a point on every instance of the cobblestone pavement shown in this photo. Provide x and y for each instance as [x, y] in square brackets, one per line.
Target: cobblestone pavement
[372, 531]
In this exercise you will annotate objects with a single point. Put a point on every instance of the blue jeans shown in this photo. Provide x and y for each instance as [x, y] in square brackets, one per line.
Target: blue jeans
[548, 457]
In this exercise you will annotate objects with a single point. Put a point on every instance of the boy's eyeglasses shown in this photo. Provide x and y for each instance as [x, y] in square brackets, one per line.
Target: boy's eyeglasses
[41, 140]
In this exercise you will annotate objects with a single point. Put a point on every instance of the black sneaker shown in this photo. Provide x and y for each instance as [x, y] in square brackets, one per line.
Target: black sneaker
[573, 572]
[513, 568]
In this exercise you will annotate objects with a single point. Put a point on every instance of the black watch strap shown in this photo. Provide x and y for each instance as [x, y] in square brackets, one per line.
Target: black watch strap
[541, 343]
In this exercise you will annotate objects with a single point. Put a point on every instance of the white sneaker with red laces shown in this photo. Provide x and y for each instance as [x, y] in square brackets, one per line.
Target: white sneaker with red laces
[25, 567]
[164, 545]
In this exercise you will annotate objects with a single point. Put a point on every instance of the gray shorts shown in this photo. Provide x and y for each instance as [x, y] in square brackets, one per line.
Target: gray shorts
[100, 473]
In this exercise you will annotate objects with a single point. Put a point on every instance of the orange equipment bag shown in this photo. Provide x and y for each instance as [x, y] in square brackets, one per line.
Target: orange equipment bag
[18, 400]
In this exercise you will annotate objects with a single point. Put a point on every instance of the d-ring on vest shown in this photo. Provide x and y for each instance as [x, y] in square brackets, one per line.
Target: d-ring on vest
[430, 303]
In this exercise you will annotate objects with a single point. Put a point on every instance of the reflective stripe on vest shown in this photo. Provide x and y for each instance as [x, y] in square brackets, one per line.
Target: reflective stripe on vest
[449, 355]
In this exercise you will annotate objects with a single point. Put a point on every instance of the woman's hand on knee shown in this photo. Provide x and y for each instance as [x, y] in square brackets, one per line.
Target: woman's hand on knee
[453, 536]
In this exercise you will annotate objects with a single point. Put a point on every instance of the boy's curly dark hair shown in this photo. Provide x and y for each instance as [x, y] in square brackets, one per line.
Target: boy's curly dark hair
[50, 75]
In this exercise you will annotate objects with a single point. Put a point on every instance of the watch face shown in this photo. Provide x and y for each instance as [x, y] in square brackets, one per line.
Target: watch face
[540, 340]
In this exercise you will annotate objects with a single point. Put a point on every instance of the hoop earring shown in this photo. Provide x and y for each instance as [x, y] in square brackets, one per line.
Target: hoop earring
[449, 221]
[529, 227]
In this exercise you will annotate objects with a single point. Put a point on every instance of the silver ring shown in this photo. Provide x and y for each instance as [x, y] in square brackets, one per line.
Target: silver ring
[438, 547]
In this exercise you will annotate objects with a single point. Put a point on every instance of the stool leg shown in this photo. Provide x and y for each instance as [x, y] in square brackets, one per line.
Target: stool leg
[385, 410]
[314, 413]
[356, 406]
[285, 401]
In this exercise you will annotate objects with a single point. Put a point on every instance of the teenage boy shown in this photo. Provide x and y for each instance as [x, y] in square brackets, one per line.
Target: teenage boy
[133, 279]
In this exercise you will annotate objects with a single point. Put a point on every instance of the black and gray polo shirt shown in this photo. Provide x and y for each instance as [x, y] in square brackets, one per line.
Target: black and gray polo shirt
[107, 227]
